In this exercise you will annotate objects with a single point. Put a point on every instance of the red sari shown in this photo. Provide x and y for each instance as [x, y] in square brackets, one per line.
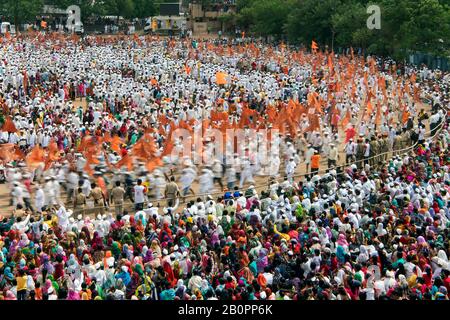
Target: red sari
[169, 274]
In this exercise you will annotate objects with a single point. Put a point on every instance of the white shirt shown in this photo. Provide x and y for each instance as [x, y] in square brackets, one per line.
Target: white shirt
[139, 196]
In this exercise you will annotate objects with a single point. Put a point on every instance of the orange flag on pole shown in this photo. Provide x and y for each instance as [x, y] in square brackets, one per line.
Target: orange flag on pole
[53, 154]
[221, 78]
[87, 168]
[168, 148]
[187, 69]
[369, 108]
[127, 161]
[145, 148]
[330, 64]
[314, 46]
[378, 115]
[405, 116]
[9, 126]
[116, 142]
[346, 119]
[153, 164]
[8, 152]
[35, 158]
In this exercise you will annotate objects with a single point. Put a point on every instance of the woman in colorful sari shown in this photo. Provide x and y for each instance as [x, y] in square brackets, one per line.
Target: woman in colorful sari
[170, 276]
[124, 275]
[147, 255]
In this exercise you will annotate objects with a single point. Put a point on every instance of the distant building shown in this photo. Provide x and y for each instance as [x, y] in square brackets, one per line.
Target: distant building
[171, 19]
[204, 18]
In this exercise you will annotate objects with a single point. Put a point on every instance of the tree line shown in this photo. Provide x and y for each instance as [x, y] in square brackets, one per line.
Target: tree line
[26, 11]
[406, 25]
[416, 25]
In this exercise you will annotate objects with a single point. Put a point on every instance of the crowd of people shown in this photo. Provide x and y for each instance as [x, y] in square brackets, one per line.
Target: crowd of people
[355, 207]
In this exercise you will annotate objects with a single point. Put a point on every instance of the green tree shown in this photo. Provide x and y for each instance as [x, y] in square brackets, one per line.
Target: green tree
[21, 11]
[270, 16]
[349, 23]
[312, 20]
[429, 27]
[120, 8]
[227, 20]
[144, 8]
[88, 8]
[244, 16]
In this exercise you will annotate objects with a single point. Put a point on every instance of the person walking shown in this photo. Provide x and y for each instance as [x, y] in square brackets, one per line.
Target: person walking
[79, 202]
[118, 195]
[139, 195]
[99, 199]
[333, 155]
[172, 192]
[315, 163]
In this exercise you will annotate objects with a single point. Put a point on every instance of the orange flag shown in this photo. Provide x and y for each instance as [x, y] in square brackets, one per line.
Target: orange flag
[314, 101]
[53, 151]
[91, 156]
[330, 64]
[53, 154]
[35, 158]
[183, 125]
[381, 83]
[25, 82]
[127, 161]
[369, 108]
[346, 119]
[378, 115]
[87, 168]
[145, 148]
[366, 80]
[271, 113]
[221, 78]
[9, 126]
[168, 148]
[116, 142]
[314, 123]
[153, 164]
[86, 142]
[372, 66]
[187, 69]
[314, 46]
[102, 184]
[405, 116]
[219, 116]
[370, 95]
[416, 94]
[7, 153]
